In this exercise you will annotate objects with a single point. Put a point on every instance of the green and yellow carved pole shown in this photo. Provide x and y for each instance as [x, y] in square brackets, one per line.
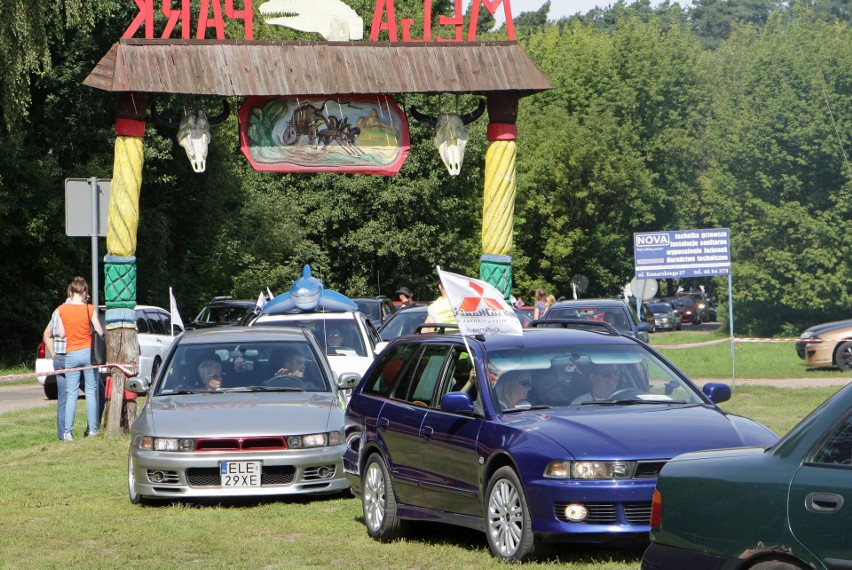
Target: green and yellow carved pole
[498, 206]
[120, 262]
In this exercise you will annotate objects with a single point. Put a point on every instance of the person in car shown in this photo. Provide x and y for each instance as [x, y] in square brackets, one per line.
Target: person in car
[512, 388]
[604, 379]
[210, 372]
[289, 362]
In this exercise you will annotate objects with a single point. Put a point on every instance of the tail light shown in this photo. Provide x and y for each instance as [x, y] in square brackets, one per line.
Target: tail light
[657, 510]
[41, 351]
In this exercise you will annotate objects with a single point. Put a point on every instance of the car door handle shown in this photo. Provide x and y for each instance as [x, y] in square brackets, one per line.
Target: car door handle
[384, 423]
[426, 432]
[823, 502]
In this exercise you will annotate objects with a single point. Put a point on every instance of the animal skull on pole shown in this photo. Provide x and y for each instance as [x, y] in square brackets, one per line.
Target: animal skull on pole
[193, 132]
[450, 134]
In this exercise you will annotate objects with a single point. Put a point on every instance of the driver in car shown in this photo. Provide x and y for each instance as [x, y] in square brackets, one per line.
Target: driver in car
[292, 363]
[604, 379]
[210, 372]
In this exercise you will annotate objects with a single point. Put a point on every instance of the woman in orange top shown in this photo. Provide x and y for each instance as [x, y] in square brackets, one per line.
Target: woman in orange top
[76, 315]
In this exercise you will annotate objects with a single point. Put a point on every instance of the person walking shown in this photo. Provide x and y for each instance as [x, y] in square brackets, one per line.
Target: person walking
[77, 315]
[54, 343]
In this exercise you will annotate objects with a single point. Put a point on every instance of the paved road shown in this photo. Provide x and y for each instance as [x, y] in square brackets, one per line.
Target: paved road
[22, 396]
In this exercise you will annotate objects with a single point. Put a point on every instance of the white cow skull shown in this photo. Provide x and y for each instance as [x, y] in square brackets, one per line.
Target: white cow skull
[193, 132]
[194, 136]
[332, 19]
[450, 135]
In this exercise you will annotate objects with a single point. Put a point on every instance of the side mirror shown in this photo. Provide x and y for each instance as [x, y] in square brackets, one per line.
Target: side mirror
[348, 380]
[137, 385]
[457, 402]
[718, 392]
[643, 327]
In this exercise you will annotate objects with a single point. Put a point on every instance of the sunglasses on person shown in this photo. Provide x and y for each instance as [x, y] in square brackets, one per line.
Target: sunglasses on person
[525, 383]
[216, 376]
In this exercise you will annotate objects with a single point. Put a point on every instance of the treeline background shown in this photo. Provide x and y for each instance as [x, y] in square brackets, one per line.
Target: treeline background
[732, 114]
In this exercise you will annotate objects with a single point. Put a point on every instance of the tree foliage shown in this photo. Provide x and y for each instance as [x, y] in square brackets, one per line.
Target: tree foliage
[646, 129]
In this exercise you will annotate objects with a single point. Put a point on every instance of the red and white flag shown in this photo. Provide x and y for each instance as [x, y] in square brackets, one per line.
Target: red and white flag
[479, 307]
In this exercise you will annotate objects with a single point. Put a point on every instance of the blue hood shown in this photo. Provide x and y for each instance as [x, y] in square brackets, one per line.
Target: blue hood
[642, 431]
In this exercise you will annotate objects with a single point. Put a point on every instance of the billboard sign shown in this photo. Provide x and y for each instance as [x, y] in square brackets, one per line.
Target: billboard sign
[688, 253]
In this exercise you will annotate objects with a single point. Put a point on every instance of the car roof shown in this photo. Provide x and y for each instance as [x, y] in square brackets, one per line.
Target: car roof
[533, 337]
[590, 303]
[232, 303]
[242, 334]
[302, 315]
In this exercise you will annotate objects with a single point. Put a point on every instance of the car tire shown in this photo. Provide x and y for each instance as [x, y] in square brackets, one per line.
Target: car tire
[135, 497]
[842, 356]
[51, 390]
[508, 524]
[379, 503]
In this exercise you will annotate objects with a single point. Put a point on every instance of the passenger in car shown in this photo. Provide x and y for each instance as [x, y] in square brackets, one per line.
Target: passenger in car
[288, 362]
[512, 388]
[210, 372]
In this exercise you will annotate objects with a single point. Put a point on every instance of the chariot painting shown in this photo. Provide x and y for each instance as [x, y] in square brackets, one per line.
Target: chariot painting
[344, 134]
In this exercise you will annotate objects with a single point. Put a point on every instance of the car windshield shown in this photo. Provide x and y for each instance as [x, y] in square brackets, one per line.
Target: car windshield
[372, 309]
[683, 302]
[660, 307]
[221, 315]
[616, 316]
[339, 337]
[402, 323]
[603, 375]
[223, 367]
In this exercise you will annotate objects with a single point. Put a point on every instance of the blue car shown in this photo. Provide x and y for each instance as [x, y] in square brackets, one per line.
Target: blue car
[556, 435]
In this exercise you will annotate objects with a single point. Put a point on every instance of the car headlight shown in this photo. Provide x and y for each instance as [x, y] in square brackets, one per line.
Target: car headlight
[165, 443]
[314, 440]
[590, 470]
[807, 334]
[701, 306]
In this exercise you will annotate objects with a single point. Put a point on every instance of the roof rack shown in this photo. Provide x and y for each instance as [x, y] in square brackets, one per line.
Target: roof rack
[578, 323]
[221, 298]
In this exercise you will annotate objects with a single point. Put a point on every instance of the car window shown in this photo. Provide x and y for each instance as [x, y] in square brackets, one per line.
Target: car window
[419, 387]
[388, 373]
[402, 323]
[461, 375]
[243, 365]
[155, 323]
[563, 375]
[616, 316]
[142, 322]
[339, 337]
[836, 449]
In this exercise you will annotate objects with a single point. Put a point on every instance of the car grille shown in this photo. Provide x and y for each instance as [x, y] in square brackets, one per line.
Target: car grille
[241, 444]
[608, 513]
[211, 477]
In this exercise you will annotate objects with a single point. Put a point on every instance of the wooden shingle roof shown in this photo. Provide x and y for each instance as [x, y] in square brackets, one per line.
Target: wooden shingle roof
[243, 68]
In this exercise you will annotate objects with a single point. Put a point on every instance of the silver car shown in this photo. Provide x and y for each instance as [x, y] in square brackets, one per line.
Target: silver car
[239, 412]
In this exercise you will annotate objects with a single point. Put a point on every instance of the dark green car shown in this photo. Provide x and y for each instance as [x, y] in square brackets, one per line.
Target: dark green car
[778, 508]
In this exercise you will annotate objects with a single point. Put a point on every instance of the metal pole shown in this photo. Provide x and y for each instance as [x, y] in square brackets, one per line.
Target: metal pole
[93, 291]
[731, 322]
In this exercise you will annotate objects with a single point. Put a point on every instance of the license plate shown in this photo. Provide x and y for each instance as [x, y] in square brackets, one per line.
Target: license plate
[240, 473]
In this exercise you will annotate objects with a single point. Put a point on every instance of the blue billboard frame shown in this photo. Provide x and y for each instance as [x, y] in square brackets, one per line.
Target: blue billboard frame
[686, 253]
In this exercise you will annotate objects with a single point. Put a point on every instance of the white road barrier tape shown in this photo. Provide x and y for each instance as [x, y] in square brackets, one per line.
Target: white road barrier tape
[721, 340]
[128, 369]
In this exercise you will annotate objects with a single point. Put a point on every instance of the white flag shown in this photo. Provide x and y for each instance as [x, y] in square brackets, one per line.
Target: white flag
[261, 301]
[479, 307]
[269, 295]
[176, 320]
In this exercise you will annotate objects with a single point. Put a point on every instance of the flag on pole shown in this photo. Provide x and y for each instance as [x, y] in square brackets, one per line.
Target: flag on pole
[479, 307]
[176, 320]
[269, 295]
[261, 301]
